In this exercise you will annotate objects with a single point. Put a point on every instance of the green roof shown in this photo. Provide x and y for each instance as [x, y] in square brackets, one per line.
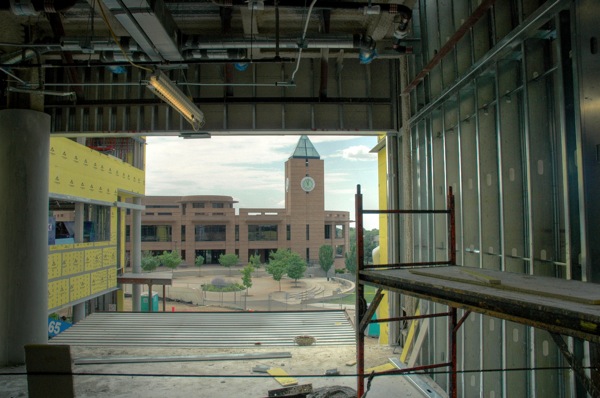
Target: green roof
[305, 150]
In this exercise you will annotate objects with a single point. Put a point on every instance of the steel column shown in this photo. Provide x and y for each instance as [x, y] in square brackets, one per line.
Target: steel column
[360, 290]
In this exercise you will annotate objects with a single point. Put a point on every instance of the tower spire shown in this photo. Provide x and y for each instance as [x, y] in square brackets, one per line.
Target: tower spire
[305, 150]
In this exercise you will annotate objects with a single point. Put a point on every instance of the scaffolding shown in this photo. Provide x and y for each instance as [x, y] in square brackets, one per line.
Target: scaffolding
[559, 306]
[364, 313]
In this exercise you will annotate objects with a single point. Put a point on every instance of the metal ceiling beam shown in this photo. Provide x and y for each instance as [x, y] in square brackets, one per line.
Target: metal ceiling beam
[227, 133]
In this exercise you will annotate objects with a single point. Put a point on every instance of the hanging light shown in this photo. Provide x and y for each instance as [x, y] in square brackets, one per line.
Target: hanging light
[166, 90]
[367, 55]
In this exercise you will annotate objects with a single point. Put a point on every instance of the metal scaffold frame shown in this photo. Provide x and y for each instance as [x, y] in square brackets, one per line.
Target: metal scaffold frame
[365, 314]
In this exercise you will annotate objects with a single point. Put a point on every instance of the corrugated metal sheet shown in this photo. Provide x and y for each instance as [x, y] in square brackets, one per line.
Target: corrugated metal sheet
[208, 329]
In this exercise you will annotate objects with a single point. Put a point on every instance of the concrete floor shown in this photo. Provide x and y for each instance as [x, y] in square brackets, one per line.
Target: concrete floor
[225, 378]
[232, 378]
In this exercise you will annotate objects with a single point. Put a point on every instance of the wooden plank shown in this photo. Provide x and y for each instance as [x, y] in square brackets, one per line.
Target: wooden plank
[411, 335]
[550, 313]
[282, 377]
[381, 368]
[575, 291]
[481, 277]
[418, 343]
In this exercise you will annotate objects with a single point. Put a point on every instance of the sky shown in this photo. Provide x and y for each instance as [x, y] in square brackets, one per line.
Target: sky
[251, 169]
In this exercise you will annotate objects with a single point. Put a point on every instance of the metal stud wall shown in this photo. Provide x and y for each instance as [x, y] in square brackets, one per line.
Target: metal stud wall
[495, 120]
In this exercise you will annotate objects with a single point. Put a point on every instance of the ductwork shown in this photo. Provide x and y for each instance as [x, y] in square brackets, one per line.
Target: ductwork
[291, 43]
[29, 8]
[151, 25]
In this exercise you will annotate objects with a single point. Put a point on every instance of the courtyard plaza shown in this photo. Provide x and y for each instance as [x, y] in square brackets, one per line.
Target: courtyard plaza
[309, 293]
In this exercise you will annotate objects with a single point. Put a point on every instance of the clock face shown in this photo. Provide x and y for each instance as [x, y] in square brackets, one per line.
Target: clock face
[307, 184]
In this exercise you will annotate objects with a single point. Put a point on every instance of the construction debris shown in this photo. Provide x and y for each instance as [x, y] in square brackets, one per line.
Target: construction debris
[187, 358]
[300, 390]
[282, 377]
[333, 392]
[261, 369]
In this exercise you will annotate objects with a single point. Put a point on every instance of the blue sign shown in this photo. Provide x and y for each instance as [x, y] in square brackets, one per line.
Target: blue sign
[56, 326]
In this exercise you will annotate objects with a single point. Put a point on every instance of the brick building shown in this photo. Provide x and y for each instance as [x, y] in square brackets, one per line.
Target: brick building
[208, 225]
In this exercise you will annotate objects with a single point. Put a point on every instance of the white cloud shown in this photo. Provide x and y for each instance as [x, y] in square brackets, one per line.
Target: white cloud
[355, 153]
[251, 168]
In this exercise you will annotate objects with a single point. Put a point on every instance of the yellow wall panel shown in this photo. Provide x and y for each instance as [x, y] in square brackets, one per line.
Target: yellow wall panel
[114, 225]
[54, 265]
[76, 271]
[58, 293]
[383, 309]
[99, 281]
[82, 172]
[109, 256]
[93, 259]
[112, 277]
[79, 287]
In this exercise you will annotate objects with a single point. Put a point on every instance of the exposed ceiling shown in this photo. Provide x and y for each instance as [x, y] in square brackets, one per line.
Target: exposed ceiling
[76, 45]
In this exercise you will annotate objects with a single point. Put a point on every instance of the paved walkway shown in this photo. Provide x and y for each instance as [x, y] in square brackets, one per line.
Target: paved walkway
[265, 294]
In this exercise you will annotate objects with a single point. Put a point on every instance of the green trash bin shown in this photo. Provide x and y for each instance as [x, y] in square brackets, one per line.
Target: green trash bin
[373, 328]
[154, 302]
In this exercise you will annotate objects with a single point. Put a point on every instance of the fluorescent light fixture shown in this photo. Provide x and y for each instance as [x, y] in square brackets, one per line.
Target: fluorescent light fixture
[166, 90]
[194, 134]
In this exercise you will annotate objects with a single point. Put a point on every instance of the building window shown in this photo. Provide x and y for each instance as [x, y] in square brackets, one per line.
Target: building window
[237, 233]
[339, 231]
[288, 232]
[127, 233]
[148, 214]
[183, 209]
[262, 232]
[218, 205]
[198, 205]
[340, 250]
[183, 233]
[161, 206]
[210, 256]
[307, 255]
[183, 254]
[307, 232]
[210, 233]
[165, 214]
[96, 227]
[156, 233]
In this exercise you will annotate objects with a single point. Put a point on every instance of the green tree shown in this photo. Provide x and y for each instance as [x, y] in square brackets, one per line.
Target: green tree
[278, 264]
[326, 258]
[228, 260]
[149, 262]
[371, 241]
[296, 266]
[255, 261]
[199, 262]
[350, 259]
[247, 276]
[170, 259]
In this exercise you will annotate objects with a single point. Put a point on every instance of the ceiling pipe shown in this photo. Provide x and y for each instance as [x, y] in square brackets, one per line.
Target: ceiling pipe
[28, 8]
[323, 4]
[345, 41]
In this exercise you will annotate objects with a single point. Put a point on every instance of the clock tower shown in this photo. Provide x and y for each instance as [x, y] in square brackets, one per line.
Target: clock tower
[305, 199]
